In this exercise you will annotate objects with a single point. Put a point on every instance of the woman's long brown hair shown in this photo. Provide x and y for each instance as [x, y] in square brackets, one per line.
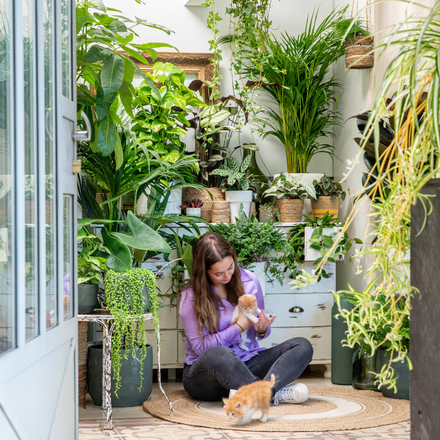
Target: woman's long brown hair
[209, 249]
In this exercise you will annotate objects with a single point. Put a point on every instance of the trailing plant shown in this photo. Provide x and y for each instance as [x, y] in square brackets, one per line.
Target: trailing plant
[161, 123]
[104, 72]
[305, 106]
[327, 186]
[253, 241]
[125, 300]
[406, 165]
[287, 186]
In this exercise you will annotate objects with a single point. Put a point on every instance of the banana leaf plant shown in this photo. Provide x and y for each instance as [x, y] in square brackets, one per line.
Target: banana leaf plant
[106, 62]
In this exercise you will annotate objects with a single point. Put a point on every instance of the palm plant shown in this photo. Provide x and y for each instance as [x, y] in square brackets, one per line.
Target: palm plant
[307, 100]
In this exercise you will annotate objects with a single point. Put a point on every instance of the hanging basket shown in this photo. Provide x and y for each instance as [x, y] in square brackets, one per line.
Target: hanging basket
[357, 53]
[290, 210]
[203, 195]
[323, 205]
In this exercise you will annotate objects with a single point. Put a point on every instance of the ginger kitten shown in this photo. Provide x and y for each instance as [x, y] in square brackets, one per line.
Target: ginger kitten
[248, 399]
[249, 307]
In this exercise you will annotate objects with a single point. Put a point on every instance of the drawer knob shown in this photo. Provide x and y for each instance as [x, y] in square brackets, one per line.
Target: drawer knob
[296, 309]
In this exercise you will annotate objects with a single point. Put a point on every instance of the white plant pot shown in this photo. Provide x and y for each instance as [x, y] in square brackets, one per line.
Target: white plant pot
[174, 201]
[195, 212]
[142, 205]
[307, 202]
[235, 199]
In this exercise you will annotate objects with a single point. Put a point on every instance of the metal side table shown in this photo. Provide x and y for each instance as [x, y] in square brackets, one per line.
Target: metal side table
[107, 331]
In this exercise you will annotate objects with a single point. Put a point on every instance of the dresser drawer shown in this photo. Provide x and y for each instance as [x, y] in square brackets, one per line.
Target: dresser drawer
[168, 345]
[320, 338]
[325, 285]
[181, 348]
[316, 309]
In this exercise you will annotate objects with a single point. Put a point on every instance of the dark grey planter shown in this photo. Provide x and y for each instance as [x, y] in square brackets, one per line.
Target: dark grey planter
[401, 372]
[129, 394]
[87, 298]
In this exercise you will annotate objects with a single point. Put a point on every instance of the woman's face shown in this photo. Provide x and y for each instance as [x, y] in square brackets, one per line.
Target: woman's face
[222, 271]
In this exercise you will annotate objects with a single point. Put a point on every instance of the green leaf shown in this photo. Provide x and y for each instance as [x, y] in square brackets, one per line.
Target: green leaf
[119, 154]
[187, 258]
[128, 70]
[148, 80]
[97, 53]
[245, 164]
[120, 257]
[126, 98]
[232, 164]
[135, 55]
[107, 136]
[112, 75]
[103, 103]
[143, 237]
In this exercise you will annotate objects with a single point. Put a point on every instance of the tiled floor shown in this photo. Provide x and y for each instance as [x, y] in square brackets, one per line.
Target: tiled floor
[134, 423]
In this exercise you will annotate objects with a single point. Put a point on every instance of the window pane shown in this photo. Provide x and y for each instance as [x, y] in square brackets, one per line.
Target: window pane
[49, 82]
[30, 169]
[66, 47]
[7, 299]
[67, 257]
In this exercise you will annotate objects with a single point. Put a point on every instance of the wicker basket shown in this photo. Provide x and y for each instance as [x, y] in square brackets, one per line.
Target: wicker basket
[323, 205]
[356, 53]
[220, 211]
[290, 210]
[203, 195]
[82, 363]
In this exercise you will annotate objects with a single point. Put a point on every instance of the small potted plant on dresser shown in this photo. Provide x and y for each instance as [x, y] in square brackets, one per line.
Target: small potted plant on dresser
[192, 207]
[328, 193]
[291, 191]
[236, 185]
[268, 213]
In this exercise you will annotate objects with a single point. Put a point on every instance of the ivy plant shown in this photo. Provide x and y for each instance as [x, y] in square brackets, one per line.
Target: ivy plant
[125, 300]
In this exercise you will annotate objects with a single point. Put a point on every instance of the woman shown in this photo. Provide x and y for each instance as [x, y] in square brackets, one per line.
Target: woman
[214, 363]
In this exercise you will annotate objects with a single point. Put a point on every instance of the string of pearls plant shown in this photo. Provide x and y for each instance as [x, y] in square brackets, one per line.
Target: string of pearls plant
[126, 302]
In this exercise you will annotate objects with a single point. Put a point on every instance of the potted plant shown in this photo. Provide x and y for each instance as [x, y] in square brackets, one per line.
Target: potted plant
[90, 269]
[290, 192]
[236, 185]
[192, 207]
[268, 213]
[328, 193]
[358, 44]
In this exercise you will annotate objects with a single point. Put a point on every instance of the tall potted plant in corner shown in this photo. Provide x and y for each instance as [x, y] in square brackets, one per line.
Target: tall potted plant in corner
[129, 292]
[305, 106]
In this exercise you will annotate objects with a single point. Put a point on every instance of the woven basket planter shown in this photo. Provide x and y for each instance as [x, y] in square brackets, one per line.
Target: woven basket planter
[220, 211]
[290, 210]
[356, 53]
[323, 205]
[203, 195]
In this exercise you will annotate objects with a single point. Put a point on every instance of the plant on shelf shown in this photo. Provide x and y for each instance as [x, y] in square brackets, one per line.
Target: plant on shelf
[234, 175]
[290, 192]
[268, 213]
[161, 123]
[196, 203]
[105, 73]
[328, 193]
[253, 241]
[305, 106]
[126, 302]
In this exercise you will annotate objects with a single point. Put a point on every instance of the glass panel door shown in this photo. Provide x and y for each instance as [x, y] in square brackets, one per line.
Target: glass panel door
[68, 266]
[7, 297]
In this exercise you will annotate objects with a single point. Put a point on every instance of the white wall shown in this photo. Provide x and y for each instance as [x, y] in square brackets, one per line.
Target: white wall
[192, 35]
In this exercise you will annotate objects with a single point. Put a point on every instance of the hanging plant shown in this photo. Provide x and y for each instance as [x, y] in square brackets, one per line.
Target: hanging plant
[125, 300]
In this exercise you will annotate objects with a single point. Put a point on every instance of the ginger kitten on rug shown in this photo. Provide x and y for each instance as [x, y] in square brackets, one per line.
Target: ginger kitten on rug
[248, 399]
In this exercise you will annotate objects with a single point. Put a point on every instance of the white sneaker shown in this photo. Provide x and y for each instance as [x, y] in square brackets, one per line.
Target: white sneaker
[295, 393]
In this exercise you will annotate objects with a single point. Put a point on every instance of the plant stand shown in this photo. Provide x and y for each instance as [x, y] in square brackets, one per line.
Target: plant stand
[107, 331]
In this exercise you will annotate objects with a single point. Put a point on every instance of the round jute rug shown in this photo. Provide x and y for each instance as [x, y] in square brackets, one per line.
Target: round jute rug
[328, 409]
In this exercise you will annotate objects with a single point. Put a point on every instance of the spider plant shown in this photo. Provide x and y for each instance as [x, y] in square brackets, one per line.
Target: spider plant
[409, 99]
[307, 100]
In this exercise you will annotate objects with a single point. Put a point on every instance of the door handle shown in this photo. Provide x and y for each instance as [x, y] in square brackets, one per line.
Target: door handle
[296, 309]
[83, 135]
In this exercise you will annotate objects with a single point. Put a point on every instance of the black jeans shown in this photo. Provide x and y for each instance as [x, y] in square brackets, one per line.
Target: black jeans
[218, 369]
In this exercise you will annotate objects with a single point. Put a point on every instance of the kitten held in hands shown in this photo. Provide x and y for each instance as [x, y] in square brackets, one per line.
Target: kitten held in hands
[248, 399]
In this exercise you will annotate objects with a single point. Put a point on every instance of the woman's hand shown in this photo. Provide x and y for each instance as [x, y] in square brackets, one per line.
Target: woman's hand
[263, 323]
[243, 322]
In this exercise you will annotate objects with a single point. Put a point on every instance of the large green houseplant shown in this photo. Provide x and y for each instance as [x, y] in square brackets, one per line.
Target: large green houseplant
[305, 106]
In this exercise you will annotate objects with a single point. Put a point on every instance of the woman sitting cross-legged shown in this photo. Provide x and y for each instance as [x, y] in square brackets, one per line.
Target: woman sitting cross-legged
[215, 363]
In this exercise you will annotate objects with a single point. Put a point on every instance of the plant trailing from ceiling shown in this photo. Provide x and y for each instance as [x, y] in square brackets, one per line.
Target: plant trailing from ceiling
[104, 73]
[306, 103]
[406, 165]
[125, 300]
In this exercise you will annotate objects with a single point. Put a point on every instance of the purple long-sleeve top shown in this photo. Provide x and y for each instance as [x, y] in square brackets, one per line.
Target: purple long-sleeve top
[228, 336]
